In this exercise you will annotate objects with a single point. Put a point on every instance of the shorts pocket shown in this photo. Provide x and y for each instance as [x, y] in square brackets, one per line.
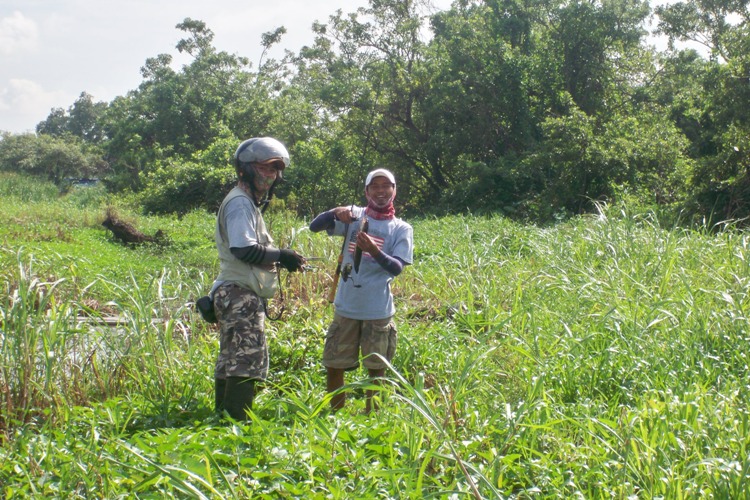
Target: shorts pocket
[379, 343]
[392, 341]
[330, 347]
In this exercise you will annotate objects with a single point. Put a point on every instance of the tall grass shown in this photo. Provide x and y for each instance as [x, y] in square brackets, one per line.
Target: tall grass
[605, 357]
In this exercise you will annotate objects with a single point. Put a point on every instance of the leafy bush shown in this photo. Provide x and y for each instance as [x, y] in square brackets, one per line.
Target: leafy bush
[721, 184]
[53, 158]
[487, 188]
[582, 161]
[182, 187]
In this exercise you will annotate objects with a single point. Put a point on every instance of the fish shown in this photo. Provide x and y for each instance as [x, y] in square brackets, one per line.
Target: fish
[358, 251]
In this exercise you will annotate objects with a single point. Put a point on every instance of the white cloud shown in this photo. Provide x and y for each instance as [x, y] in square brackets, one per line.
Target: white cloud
[17, 34]
[24, 99]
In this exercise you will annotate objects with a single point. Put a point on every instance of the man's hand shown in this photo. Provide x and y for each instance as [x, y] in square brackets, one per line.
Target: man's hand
[367, 244]
[291, 260]
[344, 214]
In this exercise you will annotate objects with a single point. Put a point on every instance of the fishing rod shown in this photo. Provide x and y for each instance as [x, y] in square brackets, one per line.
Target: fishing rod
[346, 271]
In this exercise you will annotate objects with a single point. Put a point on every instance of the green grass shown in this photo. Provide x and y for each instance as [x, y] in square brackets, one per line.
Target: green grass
[604, 357]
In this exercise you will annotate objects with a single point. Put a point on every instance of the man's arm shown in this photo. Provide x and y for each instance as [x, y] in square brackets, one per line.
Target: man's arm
[392, 265]
[259, 255]
[326, 220]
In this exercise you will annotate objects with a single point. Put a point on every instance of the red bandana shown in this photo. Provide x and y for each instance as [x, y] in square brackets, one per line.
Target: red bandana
[380, 213]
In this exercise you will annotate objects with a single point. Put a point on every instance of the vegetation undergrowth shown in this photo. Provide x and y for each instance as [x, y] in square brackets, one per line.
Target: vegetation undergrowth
[603, 357]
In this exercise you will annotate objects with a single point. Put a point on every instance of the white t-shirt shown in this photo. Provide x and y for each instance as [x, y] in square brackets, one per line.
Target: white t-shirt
[366, 295]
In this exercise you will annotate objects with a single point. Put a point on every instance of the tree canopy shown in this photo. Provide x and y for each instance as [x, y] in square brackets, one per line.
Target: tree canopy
[535, 109]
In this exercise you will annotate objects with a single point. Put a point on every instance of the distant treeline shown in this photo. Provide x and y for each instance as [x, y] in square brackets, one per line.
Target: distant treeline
[534, 109]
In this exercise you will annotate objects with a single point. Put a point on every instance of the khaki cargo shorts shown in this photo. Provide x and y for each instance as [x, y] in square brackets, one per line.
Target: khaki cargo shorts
[347, 339]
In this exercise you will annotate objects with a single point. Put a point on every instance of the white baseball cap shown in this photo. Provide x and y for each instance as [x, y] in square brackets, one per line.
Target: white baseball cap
[380, 172]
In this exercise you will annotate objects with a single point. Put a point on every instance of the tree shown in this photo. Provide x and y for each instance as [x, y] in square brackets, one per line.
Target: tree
[721, 185]
[586, 45]
[54, 158]
[479, 101]
[581, 161]
[83, 120]
[720, 26]
[56, 123]
[175, 114]
[367, 71]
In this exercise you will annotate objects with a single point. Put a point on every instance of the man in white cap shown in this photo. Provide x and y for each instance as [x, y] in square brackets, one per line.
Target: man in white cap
[363, 321]
[247, 275]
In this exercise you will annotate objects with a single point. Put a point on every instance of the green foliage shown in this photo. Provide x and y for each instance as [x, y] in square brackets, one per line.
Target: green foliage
[586, 42]
[479, 106]
[368, 71]
[721, 184]
[652, 160]
[588, 359]
[580, 162]
[26, 188]
[534, 109]
[175, 115]
[594, 358]
[84, 120]
[486, 188]
[719, 122]
[314, 161]
[49, 157]
[182, 187]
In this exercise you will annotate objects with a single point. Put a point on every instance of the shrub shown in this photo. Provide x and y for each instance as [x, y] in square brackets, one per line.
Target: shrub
[182, 187]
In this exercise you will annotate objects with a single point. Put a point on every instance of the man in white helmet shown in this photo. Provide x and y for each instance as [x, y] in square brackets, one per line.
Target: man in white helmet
[363, 322]
[247, 275]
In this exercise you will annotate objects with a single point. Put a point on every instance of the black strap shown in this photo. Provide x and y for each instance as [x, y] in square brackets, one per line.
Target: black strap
[277, 317]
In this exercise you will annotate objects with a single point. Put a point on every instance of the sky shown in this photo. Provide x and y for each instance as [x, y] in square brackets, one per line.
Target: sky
[53, 50]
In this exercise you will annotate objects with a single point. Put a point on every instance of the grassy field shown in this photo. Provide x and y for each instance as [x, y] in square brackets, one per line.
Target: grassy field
[604, 357]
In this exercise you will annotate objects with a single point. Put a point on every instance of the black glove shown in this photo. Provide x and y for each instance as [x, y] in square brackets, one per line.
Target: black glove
[291, 260]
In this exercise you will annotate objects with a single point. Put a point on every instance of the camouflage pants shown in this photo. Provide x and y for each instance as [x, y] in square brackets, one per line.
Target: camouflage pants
[243, 351]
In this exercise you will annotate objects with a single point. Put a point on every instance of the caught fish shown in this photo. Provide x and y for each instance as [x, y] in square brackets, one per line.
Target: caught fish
[358, 251]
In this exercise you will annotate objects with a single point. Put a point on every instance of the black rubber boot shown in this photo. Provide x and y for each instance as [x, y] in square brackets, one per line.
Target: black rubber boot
[238, 396]
[220, 387]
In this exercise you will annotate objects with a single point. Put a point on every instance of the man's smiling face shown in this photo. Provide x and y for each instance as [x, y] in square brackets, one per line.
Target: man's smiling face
[380, 191]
